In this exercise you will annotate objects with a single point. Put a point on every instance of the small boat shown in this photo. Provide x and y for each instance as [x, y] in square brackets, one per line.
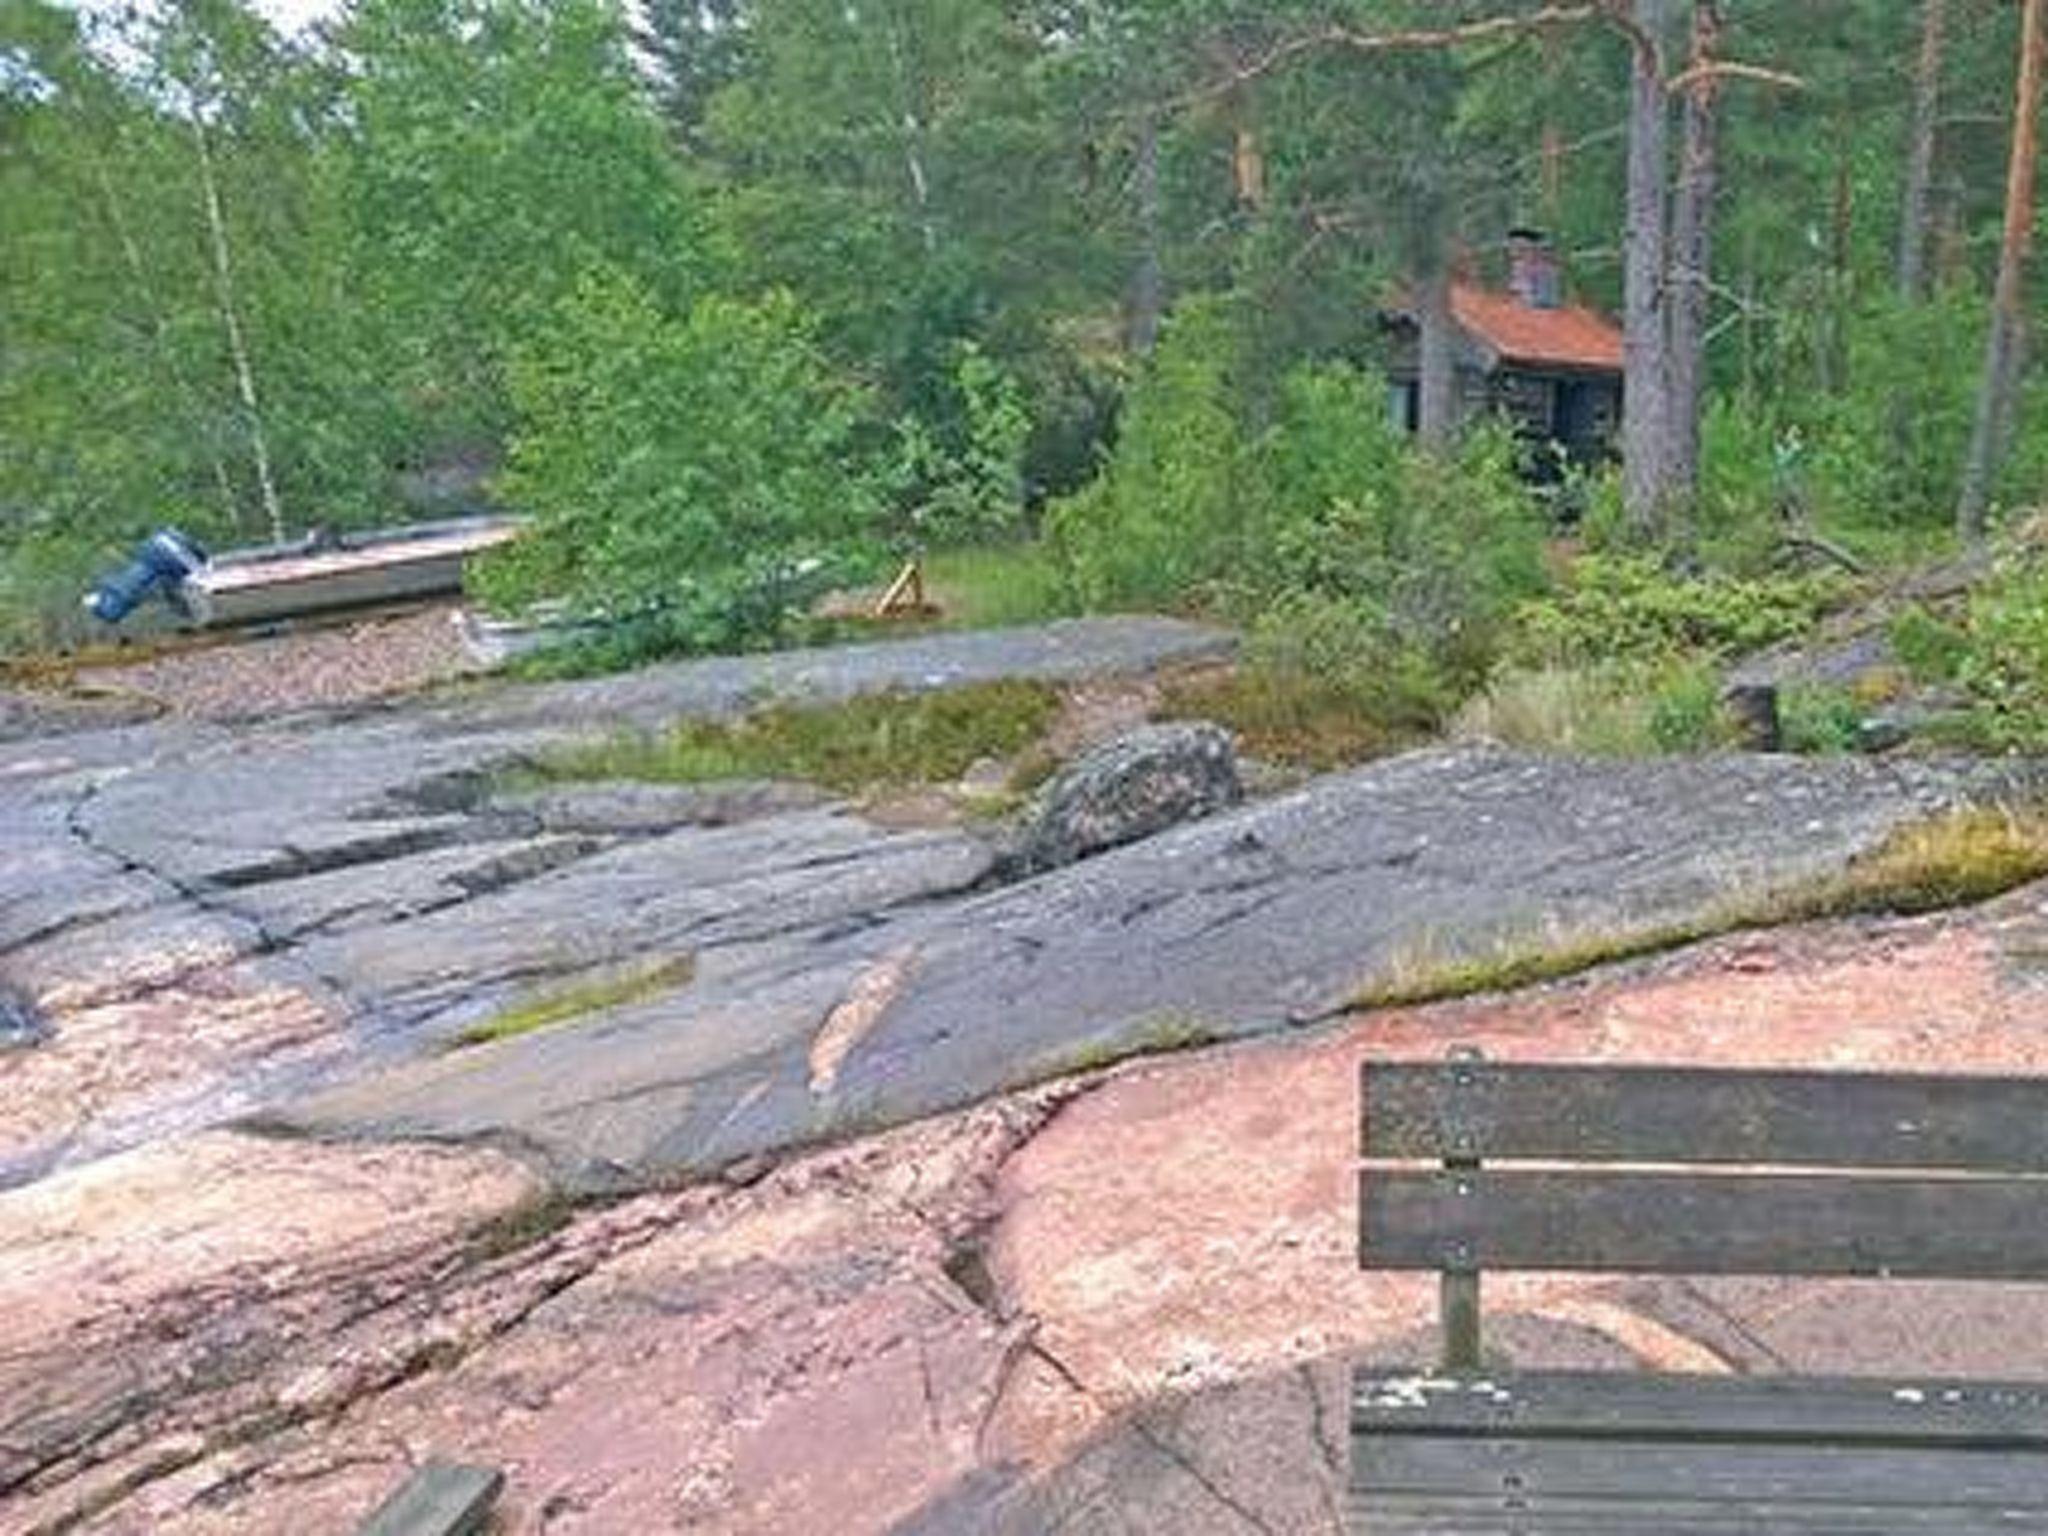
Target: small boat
[389, 565]
[320, 574]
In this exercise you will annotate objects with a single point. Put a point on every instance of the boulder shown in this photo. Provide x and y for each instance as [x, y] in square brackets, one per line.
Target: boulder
[1129, 787]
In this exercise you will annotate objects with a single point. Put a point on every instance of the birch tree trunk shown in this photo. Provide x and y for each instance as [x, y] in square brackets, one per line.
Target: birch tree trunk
[231, 322]
[913, 126]
[138, 274]
[1692, 252]
[1913, 215]
[2004, 352]
[1645, 413]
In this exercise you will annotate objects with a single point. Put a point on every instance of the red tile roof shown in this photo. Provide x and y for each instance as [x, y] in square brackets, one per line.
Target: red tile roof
[1570, 336]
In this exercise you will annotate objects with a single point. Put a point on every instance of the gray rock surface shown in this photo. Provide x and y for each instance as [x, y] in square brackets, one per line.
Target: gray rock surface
[1130, 787]
[298, 919]
[211, 918]
[1267, 917]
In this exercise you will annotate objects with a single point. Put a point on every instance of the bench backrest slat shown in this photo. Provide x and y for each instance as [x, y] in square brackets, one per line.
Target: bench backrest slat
[1705, 1223]
[1493, 1110]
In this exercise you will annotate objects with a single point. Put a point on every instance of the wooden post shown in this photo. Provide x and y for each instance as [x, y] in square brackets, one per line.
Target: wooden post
[1458, 1285]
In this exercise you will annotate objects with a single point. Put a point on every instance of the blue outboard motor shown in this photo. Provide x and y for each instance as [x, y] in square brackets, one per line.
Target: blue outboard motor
[164, 559]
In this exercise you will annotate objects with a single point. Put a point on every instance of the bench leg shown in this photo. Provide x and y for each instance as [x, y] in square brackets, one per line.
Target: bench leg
[1459, 1301]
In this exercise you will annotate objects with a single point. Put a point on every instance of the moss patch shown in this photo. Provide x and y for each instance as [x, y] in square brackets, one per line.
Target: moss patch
[1155, 1035]
[1947, 861]
[884, 740]
[587, 995]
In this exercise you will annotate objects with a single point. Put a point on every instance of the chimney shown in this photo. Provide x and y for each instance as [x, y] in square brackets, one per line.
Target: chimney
[1533, 275]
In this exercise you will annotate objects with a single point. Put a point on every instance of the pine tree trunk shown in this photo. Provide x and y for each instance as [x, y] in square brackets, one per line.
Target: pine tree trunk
[1436, 406]
[1913, 216]
[238, 348]
[1148, 280]
[1692, 253]
[2004, 353]
[1645, 414]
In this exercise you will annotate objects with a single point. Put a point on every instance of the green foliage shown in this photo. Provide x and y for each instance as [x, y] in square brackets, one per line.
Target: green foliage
[1685, 710]
[1167, 516]
[1318, 688]
[876, 741]
[1604, 709]
[1815, 718]
[1931, 649]
[692, 474]
[2005, 669]
[1629, 607]
[1329, 505]
[985, 586]
[973, 489]
[1886, 449]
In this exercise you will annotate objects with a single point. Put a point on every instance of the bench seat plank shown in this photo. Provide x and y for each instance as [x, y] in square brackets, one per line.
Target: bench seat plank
[1652, 1114]
[1541, 1452]
[1386, 1514]
[1704, 1223]
[1958, 1414]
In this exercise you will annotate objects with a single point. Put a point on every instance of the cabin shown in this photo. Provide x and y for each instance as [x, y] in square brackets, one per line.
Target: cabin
[1550, 367]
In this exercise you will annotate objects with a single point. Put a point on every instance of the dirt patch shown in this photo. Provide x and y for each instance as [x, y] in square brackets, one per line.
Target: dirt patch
[305, 669]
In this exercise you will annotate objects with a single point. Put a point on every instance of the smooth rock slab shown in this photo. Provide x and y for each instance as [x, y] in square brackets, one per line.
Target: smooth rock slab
[1273, 915]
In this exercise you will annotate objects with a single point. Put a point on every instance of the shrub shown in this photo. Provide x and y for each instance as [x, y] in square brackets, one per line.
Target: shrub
[2006, 667]
[1815, 718]
[1617, 709]
[971, 488]
[1931, 649]
[877, 740]
[695, 476]
[1628, 607]
[1166, 516]
[1319, 687]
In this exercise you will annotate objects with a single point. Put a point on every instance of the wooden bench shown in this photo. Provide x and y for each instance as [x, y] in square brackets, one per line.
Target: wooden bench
[1733, 1172]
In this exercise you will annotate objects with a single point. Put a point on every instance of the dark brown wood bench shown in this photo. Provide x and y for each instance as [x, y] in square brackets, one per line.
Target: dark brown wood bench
[1704, 1172]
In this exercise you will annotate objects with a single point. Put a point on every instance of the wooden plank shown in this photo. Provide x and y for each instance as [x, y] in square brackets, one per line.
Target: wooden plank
[441, 1499]
[1936, 1413]
[1493, 1110]
[1394, 1514]
[1705, 1223]
[1658, 1471]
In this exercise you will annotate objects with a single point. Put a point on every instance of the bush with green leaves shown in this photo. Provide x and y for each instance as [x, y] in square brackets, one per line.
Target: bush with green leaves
[694, 476]
[2005, 669]
[1930, 648]
[971, 489]
[1166, 519]
[1629, 606]
[1329, 503]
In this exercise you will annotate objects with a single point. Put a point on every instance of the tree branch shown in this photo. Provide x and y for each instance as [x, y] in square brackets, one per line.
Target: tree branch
[1346, 39]
[1722, 69]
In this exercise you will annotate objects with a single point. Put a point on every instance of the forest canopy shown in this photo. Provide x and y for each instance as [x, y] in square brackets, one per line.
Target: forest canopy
[736, 298]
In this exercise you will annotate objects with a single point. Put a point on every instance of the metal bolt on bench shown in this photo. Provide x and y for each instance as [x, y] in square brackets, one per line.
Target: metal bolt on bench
[1734, 1172]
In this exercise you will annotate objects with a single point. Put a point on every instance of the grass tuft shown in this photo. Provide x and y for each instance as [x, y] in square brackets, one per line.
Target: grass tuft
[884, 740]
[1952, 860]
[614, 988]
[1290, 715]
[1156, 1035]
[991, 586]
